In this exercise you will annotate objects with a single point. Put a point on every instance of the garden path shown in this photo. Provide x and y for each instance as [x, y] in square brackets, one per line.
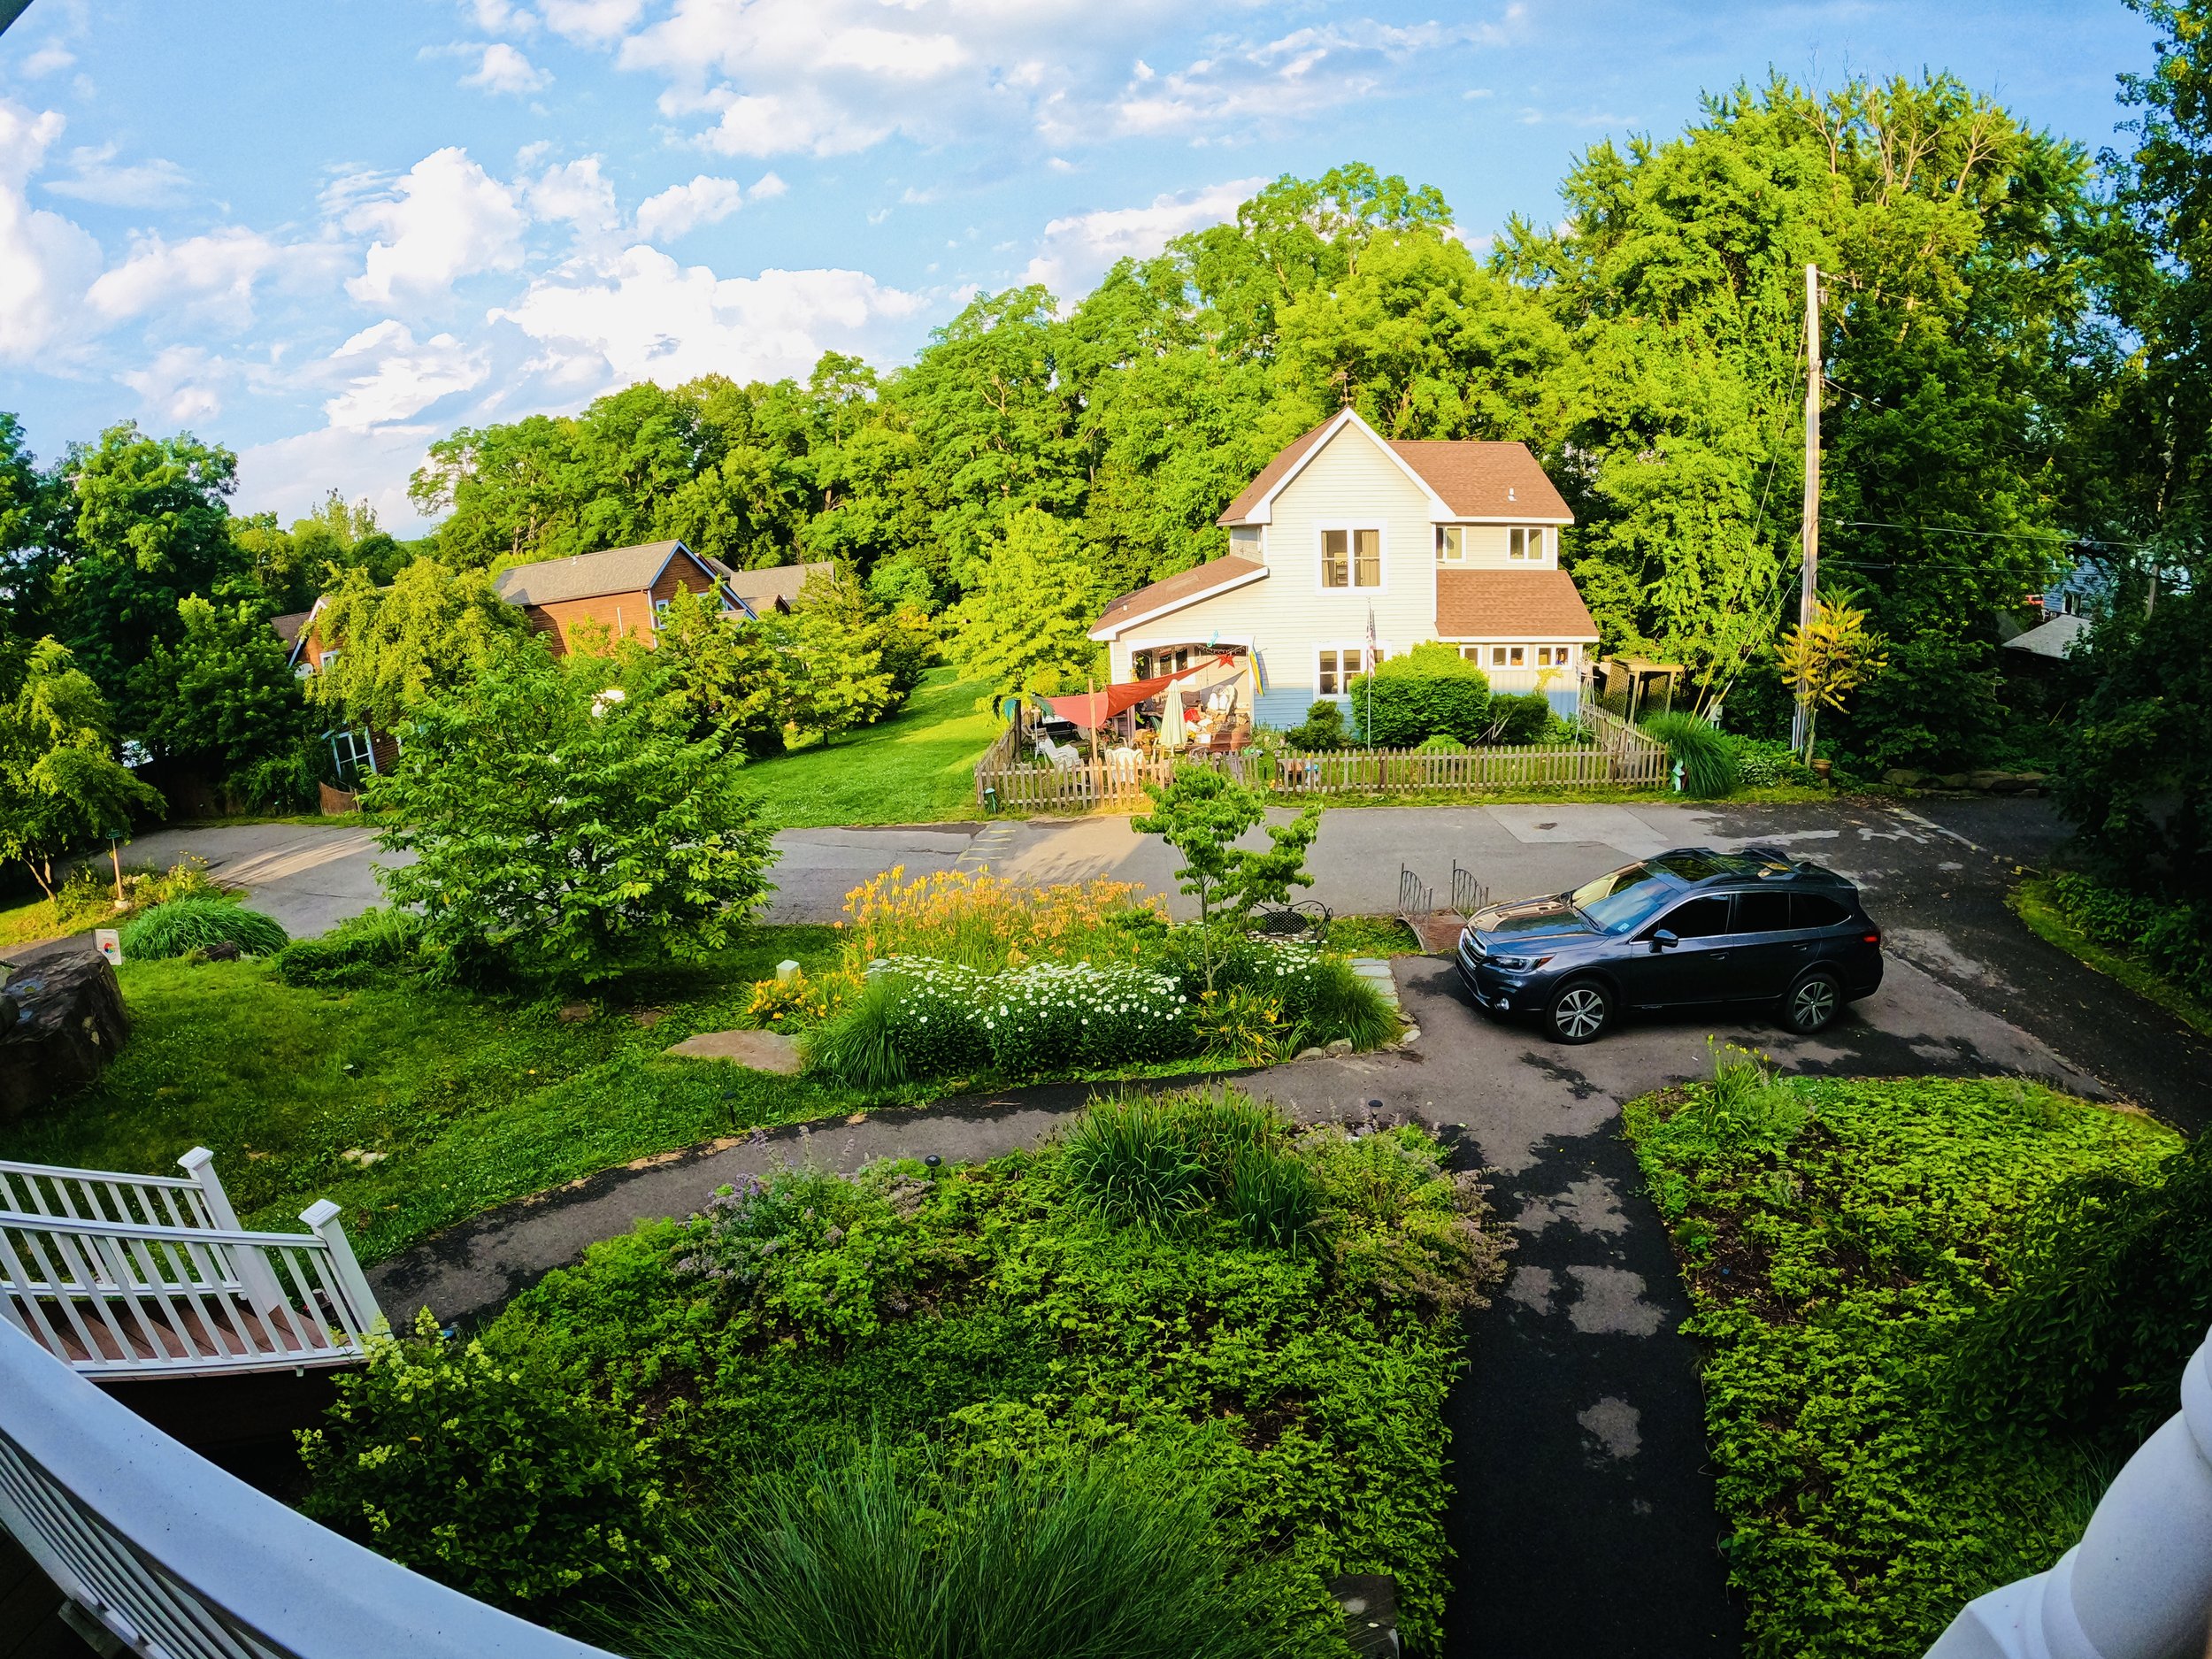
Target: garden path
[1585, 1520]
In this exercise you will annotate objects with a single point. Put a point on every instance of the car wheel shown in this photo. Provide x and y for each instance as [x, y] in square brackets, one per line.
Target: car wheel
[1579, 1011]
[1813, 1003]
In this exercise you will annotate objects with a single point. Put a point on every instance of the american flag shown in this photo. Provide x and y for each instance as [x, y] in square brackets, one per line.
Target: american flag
[1371, 656]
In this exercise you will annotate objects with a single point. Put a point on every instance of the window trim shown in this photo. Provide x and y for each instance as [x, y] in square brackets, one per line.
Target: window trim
[1351, 527]
[1459, 530]
[1355, 646]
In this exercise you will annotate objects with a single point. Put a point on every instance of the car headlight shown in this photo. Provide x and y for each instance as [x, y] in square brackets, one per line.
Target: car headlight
[1519, 964]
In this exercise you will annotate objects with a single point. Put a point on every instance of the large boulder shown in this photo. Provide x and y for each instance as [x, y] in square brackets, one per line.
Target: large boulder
[70, 1022]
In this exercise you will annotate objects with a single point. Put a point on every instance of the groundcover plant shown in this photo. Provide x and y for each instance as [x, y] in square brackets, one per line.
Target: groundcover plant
[1205, 1351]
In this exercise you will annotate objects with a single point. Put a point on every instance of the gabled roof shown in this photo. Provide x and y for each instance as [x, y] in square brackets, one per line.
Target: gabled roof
[287, 626]
[2055, 638]
[1511, 605]
[1463, 478]
[776, 585]
[1172, 592]
[615, 570]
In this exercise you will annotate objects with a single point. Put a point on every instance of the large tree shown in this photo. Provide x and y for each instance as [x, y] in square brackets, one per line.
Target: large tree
[60, 783]
[425, 634]
[224, 698]
[1025, 625]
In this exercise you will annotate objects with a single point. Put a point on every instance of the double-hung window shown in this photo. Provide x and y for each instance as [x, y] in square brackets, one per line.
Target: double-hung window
[1451, 544]
[1337, 666]
[1524, 544]
[1351, 558]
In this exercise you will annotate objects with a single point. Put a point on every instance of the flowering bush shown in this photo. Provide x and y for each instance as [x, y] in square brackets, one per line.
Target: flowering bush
[798, 1003]
[987, 922]
[1240, 1024]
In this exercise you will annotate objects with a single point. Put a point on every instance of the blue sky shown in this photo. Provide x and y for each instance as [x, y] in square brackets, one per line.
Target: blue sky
[326, 233]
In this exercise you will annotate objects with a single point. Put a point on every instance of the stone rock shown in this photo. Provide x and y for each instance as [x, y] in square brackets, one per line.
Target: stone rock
[1342, 1045]
[1904, 778]
[574, 1013]
[2016, 783]
[647, 1018]
[1412, 1035]
[762, 1050]
[1307, 1054]
[71, 1024]
[223, 950]
[1950, 780]
[1985, 778]
[361, 1158]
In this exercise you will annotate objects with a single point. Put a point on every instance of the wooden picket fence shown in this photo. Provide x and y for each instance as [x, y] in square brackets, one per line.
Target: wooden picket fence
[1619, 756]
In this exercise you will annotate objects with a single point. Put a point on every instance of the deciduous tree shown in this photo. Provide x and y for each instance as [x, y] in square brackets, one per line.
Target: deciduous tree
[60, 783]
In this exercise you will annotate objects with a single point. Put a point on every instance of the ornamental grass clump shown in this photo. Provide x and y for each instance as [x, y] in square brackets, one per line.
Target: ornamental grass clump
[1707, 757]
[987, 922]
[1167, 1163]
[183, 925]
[885, 1551]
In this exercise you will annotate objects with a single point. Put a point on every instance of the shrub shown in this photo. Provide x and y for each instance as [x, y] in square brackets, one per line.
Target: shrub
[1428, 690]
[1134, 1160]
[1518, 718]
[1707, 759]
[1763, 765]
[799, 1002]
[186, 879]
[1322, 998]
[1746, 1108]
[188, 924]
[1443, 743]
[875, 1552]
[483, 1472]
[2173, 938]
[1239, 1024]
[359, 950]
[987, 922]
[1323, 730]
[1275, 1199]
[2112, 1290]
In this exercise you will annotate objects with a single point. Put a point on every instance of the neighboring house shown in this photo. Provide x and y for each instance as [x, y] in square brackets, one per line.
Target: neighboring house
[1453, 541]
[775, 588]
[621, 590]
[354, 751]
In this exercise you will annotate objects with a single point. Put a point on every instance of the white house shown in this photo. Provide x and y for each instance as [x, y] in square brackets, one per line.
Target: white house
[1424, 541]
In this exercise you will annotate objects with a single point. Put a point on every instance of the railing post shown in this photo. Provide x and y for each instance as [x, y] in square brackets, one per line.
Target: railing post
[252, 1268]
[2138, 1584]
[322, 1218]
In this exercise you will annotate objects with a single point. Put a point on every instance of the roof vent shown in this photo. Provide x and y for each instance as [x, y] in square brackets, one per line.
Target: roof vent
[1509, 493]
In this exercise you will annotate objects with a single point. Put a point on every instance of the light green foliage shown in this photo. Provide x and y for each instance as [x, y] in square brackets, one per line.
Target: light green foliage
[837, 675]
[717, 673]
[479, 1472]
[1707, 757]
[1837, 1238]
[1201, 812]
[1419, 693]
[1025, 625]
[990, 1316]
[877, 1552]
[375, 947]
[224, 695]
[428, 633]
[1323, 729]
[474, 1100]
[186, 926]
[60, 783]
[1176, 1161]
[1239, 1023]
[915, 766]
[563, 835]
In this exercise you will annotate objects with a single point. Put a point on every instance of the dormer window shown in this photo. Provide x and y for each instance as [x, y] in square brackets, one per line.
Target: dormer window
[1525, 544]
[1451, 544]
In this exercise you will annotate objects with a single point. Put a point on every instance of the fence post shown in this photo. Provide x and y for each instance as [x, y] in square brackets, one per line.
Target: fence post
[251, 1267]
[363, 1314]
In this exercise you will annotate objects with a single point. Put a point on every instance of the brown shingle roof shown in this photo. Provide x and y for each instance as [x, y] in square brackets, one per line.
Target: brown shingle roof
[289, 626]
[615, 570]
[1511, 605]
[1184, 587]
[1249, 497]
[778, 584]
[1481, 479]
[1474, 478]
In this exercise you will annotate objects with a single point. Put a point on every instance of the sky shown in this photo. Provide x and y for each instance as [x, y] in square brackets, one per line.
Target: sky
[326, 233]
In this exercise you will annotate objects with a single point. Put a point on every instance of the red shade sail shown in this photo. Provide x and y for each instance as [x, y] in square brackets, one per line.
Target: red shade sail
[1088, 708]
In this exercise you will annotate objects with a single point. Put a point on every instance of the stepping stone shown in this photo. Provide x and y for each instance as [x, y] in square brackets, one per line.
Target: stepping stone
[1376, 971]
[761, 1050]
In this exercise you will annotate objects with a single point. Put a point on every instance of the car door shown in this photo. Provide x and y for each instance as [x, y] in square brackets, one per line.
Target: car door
[1692, 969]
[1765, 953]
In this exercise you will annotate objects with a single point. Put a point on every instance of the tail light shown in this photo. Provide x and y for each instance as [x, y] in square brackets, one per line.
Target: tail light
[1874, 937]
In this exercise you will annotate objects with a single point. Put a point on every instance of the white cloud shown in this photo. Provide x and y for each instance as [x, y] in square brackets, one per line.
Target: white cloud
[768, 186]
[389, 377]
[575, 193]
[592, 22]
[503, 69]
[47, 59]
[1080, 250]
[682, 208]
[46, 261]
[774, 124]
[498, 17]
[94, 176]
[290, 476]
[181, 386]
[642, 317]
[1266, 83]
[213, 275]
[447, 219]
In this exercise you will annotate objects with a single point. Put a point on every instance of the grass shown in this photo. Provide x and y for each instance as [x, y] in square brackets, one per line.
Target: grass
[1836, 1238]
[916, 767]
[1373, 936]
[2033, 903]
[473, 1100]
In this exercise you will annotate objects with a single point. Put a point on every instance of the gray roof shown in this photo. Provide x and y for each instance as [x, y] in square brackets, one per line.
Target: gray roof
[778, 584]
[2055, 638]
[615, 570]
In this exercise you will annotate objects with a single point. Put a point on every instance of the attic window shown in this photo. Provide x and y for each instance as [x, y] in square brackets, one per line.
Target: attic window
[1524, 543]
[1451, 544]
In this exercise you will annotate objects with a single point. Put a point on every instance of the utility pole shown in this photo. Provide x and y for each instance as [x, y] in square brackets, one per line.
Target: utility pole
[1808, 533]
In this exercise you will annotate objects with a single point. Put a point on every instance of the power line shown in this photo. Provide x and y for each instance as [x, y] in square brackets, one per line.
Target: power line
[2062, 537]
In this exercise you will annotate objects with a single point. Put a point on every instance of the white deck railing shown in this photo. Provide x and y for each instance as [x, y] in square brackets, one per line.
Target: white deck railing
[136, 1275]
[178, 1558]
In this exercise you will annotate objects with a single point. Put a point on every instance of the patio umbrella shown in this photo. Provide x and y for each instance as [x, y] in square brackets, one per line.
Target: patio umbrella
[1172, 734]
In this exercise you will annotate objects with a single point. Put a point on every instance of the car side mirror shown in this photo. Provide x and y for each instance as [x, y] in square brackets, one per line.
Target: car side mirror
[1664, 940]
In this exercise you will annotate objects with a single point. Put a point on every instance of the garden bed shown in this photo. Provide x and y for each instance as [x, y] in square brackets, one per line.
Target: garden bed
[2106, 930]
[1241, 1336]
[1836, 1237]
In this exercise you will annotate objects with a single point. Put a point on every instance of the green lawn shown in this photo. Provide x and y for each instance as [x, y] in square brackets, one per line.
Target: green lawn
[1836, 1237]
[916, 767]
[474, 1100]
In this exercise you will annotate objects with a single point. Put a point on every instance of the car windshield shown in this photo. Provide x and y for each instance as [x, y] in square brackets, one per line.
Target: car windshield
[1617, 902]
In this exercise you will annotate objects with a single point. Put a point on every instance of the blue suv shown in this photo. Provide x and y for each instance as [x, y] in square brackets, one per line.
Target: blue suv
[1687, 927]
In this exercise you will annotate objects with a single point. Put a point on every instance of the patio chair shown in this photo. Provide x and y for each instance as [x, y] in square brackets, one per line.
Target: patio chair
[1306, 922]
